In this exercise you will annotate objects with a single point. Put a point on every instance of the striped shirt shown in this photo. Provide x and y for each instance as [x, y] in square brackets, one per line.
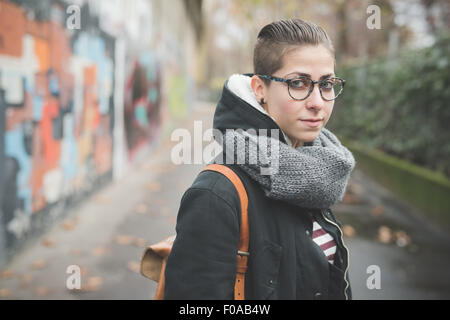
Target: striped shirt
[324, 240]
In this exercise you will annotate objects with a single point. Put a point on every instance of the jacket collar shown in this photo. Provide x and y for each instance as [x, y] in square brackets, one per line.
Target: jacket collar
[239, 109]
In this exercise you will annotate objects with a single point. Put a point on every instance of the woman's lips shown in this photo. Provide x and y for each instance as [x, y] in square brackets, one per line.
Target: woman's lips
[312, 124]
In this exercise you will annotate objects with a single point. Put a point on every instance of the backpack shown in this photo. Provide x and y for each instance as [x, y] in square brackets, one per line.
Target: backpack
[154, 258]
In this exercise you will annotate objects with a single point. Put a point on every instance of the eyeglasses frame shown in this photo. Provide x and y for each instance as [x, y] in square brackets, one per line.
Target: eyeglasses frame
[311, 88]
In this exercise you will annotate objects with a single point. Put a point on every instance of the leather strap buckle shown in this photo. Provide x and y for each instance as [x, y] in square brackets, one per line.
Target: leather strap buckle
[243, 253]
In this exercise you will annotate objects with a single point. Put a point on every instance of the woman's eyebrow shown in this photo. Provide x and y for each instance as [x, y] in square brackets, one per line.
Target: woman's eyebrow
[309, 76]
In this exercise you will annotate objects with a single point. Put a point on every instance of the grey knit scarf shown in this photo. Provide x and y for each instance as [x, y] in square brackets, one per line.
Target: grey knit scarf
[310, 176]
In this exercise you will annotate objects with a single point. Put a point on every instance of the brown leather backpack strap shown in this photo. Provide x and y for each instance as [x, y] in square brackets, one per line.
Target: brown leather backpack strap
[242, 254]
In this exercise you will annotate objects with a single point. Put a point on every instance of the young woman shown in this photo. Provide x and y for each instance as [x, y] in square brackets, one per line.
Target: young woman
[296, 244]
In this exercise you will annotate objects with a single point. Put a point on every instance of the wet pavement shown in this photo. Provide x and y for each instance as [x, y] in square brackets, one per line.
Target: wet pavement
[106, 236]
[413, 255]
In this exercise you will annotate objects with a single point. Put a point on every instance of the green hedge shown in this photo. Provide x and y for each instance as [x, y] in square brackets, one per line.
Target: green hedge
[400, 106]
[424, 189]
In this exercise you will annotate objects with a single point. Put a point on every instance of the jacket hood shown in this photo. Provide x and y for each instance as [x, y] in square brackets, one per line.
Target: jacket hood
[238, 108]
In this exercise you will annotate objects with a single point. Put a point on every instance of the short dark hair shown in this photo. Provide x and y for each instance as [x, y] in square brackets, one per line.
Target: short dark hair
[277, 38]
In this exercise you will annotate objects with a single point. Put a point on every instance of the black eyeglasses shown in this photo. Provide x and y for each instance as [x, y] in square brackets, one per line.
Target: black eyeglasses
[300, 87]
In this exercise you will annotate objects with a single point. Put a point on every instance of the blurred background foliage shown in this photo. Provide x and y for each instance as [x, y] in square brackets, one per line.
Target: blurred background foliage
[400, 105]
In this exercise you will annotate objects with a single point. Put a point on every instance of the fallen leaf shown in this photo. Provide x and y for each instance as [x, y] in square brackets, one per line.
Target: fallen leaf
[5, 293]
[46, 242]
[68, 224]
[42, 291]
[384, 234]
[141, 208]
[140, 242]
[349, 231]
[354, 188]
[38, 264]
[351, 199]
[100, 251]
[401, 238]
[102, 199]
[377, 211]
[153, 213]
[84, 272]
[124, 239]
[154, 186]
[134, 266]
[92, 284]
[6, 274]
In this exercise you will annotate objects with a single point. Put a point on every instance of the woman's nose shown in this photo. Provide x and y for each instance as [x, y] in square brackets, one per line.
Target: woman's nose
[315, 99]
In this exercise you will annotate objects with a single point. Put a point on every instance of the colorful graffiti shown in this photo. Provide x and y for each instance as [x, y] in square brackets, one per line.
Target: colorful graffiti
[57, 108]
[77, 106]
[142, 103]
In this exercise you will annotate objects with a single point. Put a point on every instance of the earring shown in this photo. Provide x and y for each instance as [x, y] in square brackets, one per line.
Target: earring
[262, 101]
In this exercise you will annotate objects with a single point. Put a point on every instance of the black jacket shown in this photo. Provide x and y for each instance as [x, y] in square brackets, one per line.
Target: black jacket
[284, 261]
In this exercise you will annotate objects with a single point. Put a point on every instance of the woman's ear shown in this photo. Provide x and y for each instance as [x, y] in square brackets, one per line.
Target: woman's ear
[259, 88]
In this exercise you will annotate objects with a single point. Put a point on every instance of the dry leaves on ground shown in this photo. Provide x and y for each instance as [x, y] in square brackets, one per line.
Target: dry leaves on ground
[399, 237]
[377, 211]
[102, 199]
[42, 291]
[5, 293]
[140, 242]
[141, 208]
[153, 213]
[384, 234]
[84, 272]
[69, 224]
[351, 199]
[6, 274]
[134, 266]
[38, 264]
[47, 242]
[402, 239]
[92, 284]
[124, 239]
[154, 186]
[101, 251]
[354, 188]
[349, 231]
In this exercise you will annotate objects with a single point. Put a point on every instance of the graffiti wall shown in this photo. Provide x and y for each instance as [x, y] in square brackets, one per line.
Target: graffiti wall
[57, 107]
[142, 102]
[78, 104]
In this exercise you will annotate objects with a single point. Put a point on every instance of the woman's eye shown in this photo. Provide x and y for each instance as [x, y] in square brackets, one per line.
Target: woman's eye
[299, 83]
[327, 85]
